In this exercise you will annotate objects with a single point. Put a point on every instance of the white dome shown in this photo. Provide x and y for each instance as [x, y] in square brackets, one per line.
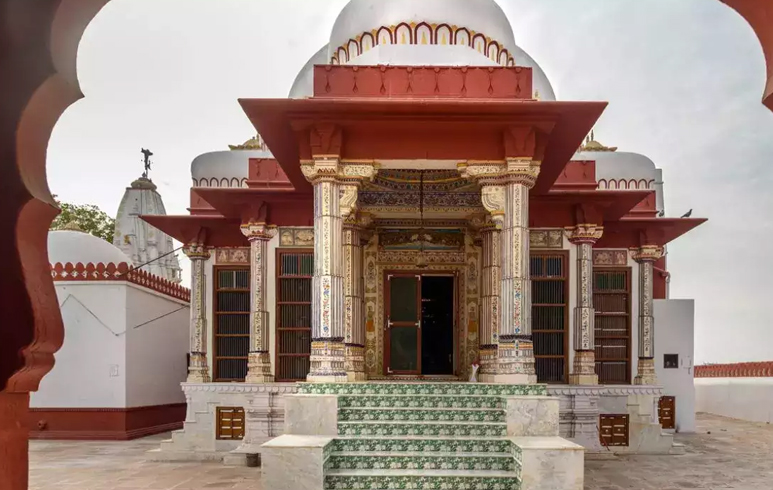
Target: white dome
[366, 16]
[77, 246]
[622, 170]
[303, 86]
[224, 168]
[539, 80]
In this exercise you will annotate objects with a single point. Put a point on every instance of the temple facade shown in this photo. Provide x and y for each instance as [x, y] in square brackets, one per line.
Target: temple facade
[422, 208]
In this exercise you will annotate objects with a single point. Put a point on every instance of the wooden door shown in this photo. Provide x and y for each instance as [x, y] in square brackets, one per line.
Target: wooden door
[403, 324]
[667, 412]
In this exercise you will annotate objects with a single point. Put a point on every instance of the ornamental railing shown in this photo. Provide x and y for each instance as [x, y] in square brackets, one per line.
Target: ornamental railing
[738, 370]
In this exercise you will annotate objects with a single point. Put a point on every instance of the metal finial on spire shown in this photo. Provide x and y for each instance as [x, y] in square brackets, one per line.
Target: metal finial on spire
[147, 154]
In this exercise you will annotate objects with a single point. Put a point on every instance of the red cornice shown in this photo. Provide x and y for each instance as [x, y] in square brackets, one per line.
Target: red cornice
[759, 14]
[633, 232]
[560, 208]
[220, 231]
[442, 129]
[281, 207]
[739, 370]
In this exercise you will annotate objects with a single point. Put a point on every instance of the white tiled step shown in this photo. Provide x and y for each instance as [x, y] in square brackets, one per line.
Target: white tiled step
[423, 453]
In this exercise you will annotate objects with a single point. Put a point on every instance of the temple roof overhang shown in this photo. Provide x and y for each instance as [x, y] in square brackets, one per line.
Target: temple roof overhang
[632, 232]
[216, 231]
[567, 208]
[279, 207]
[454, 130]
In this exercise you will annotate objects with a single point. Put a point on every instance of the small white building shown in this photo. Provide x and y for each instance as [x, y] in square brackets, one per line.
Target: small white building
[118, 373]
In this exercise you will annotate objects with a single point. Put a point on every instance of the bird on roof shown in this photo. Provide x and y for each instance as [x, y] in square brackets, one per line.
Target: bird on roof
[687, 214]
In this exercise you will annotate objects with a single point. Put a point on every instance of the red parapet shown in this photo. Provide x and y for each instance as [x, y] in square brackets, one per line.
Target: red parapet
[738, 370]
[577, 175]
[118, 272]
[267, 173]
[494, 82]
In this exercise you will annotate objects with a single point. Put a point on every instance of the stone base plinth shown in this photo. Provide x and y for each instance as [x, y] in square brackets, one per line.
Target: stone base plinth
[198, 372]
[584, 379]
[514, 379]
[259, 368]
[646, 373]
[292, 462]
[549, 463]
[584, 369]
[311, 415]
[532, 416]
[327, 362]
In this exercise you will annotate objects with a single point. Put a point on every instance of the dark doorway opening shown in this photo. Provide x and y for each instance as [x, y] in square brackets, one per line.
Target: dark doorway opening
[437, 325]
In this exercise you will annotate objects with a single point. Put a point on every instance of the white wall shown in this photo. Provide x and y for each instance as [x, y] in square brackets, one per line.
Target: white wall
[90, 369]
[741, 398]
[674, 334]
[156, 347]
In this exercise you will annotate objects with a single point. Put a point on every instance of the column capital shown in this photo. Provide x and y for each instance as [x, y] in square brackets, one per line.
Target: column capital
[523, 171]
[331, 167]
[196, 251]
[647, 253]
[584, 233]
[258, 231]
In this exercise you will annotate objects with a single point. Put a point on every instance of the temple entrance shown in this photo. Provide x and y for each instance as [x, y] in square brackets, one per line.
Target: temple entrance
[420, 324]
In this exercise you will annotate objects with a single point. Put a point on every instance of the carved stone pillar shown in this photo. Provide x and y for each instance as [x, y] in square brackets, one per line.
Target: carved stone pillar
[584, 236]
[645, 256]
[505, 194]
[335, 198]
[491, 285]
[198, 372]
[354, 292]
[259, 359]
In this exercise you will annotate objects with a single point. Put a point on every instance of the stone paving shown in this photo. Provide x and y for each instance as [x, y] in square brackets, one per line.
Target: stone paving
[722, 454]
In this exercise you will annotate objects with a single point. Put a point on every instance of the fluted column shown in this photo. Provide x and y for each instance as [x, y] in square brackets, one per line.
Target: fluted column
[491, 285]
[646, 256]
[505, 194]
[259, 359]
[198, 371]
[584, 236]
[335, 198]
[354, 291]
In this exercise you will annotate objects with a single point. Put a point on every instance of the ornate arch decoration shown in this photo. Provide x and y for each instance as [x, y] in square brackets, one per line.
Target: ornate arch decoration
[384, 35]
[404, 34]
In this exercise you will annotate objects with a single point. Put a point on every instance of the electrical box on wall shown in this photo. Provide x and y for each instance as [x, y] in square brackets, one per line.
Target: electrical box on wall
[671, 361]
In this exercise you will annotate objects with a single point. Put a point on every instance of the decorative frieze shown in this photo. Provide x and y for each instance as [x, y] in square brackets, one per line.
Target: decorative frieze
[608, 257]
[546, 239]
[296, 237]
[232, 256]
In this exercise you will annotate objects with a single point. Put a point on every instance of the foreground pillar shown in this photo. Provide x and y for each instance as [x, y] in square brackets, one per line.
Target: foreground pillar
[584, 368]
[354, 291]
[505, 194]
[259, 360]
[198, 371]
[645, 256]
[491, 285]
[335, 197]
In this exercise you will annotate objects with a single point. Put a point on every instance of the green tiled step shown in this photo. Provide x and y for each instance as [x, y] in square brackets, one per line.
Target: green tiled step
[423, 444]
[420, 401]
[422, 461]
[416, 414]
[487, 429]
[420, 389]
[420, 480]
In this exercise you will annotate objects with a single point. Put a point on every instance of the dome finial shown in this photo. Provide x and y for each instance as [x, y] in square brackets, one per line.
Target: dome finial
[254, 143]
[72, 226]
[592, 145]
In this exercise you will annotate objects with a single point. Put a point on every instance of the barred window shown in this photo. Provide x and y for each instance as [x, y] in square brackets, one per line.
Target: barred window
[294, 272]
[612, 302]
[232, 323]
[549, 315]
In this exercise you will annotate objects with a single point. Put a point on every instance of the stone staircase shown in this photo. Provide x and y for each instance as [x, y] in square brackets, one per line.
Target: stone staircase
[422, 436]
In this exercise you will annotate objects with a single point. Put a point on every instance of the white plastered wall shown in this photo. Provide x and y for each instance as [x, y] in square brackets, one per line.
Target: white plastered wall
[156, 346]
[674, 334]
[90, 368]
[740, 398]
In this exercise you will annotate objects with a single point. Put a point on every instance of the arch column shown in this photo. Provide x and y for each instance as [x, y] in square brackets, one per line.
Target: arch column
[259, 359]
[505, 195]
[491, 285]
[335, 199]
[646, 256]
[198, 371]
[584, 368]
[354, 294]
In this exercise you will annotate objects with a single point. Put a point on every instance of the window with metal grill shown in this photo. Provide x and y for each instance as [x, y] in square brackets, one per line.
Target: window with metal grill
[549, 315]
[232, 323]
[230, 423]
[612, 302]
[294, 271]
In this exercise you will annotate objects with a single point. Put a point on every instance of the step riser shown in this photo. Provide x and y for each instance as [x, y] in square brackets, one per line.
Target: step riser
[467, 463]
[428, 429]
[420, 483]
[422, 445]
[419, 402]
[419, 389]
[417, 415]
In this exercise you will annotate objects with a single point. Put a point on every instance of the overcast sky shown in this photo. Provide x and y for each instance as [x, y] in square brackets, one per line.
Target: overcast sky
[683, 78]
